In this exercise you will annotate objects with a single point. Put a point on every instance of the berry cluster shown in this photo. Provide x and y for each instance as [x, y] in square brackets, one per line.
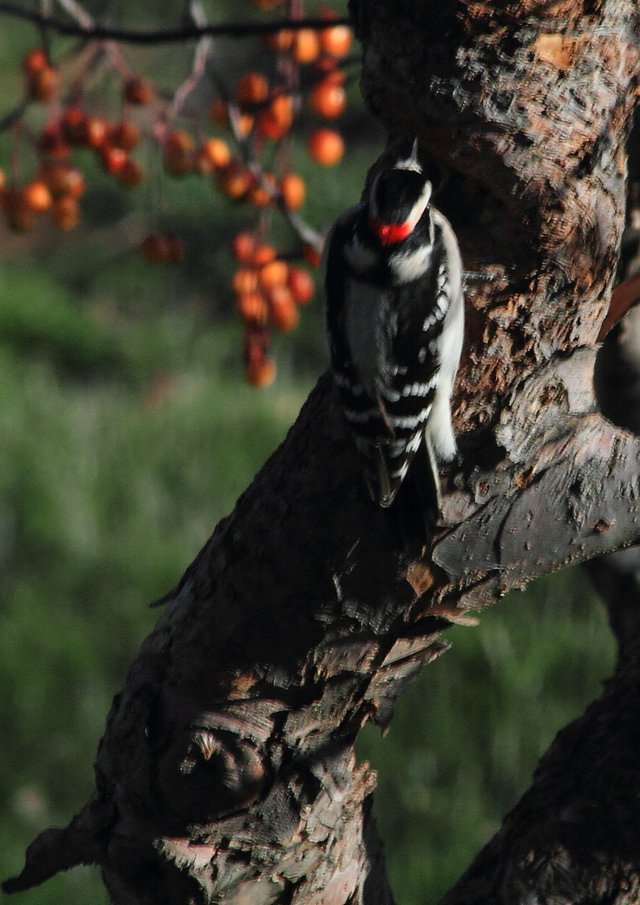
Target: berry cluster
[58, 183]
[255, 119]
[268, 292]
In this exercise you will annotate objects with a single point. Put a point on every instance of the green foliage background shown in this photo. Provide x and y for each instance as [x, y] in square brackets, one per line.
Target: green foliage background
[127, 432]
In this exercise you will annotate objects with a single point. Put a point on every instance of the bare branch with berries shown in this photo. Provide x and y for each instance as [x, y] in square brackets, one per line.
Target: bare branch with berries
[190, 32]
[247, 160]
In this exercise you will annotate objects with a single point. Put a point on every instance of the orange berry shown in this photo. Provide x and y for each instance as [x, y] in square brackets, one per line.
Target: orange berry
[214, 154]
[301, 285]
[113, 159]
[3, 179]
[95, 131]
[219, 114]
[252, 88]
[325, 146]
[261, 373]
[306, 46]
[273, 274]
[234, 181]
[178, 150]
[78, 128]
[244, 245]
[130, 173]
[244, 281]
[138, 91]
[282, 309]
[252, 308]
[42, 85]
[276, 119]
[34, 61]
[336, 40]
[180, 140]
[37, 196]
[125, 135]
[264, 191]
[63, 179]
[244, 124]
[259, 196]
[280, 41]
[293, 190]
[327, 99]
[263, 254]
[66, 212]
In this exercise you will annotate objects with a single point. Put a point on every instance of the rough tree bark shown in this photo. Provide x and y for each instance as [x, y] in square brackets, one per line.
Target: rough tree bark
[227, 770]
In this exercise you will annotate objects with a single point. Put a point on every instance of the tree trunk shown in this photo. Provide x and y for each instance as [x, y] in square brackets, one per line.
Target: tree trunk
[227, 770]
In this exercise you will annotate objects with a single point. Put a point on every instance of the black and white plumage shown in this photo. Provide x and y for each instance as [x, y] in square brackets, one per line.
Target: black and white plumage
[395, 318]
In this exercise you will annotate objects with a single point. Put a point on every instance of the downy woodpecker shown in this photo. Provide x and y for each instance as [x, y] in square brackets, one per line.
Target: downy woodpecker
[395, 318]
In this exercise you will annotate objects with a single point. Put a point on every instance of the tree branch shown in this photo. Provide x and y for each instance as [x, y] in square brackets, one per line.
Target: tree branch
[227, 769]
[187, 32]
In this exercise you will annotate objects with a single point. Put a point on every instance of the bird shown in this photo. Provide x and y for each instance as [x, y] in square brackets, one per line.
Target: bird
[395, 325]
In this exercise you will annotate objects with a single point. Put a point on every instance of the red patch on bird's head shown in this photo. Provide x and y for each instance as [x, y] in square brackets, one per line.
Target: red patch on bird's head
[390, 233]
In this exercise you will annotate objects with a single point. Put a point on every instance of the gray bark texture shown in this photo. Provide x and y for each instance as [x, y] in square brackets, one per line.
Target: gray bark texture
[227, 769]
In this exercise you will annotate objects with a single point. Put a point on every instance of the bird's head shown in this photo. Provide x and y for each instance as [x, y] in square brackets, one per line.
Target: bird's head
[398, 199]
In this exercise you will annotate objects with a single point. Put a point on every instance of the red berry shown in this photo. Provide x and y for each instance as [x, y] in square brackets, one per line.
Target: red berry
[178, 153]
[276, 119]
[252, 88]
[138, 91]
[301, 285]
[35, 60]
[125, 135]
[113, 159]
[63, 179]
[51, 141]
[261, 373]
[243, 247]
[130, 173]
[42, 85]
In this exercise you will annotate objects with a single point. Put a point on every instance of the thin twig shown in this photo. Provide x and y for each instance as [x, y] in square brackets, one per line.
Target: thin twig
[202, 53]
[75, 11]
[187, 32]
[13, 116]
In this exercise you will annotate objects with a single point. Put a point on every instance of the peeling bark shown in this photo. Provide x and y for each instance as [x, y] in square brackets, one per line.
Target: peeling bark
[227, 771]
[573, 837]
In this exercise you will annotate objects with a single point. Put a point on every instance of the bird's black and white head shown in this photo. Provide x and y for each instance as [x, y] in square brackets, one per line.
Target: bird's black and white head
[398, 200]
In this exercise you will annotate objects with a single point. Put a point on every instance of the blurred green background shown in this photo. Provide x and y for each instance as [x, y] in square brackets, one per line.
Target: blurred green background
[128, 432]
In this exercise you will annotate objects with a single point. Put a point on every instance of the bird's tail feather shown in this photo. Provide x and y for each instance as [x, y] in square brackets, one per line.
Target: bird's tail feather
[417, 505]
